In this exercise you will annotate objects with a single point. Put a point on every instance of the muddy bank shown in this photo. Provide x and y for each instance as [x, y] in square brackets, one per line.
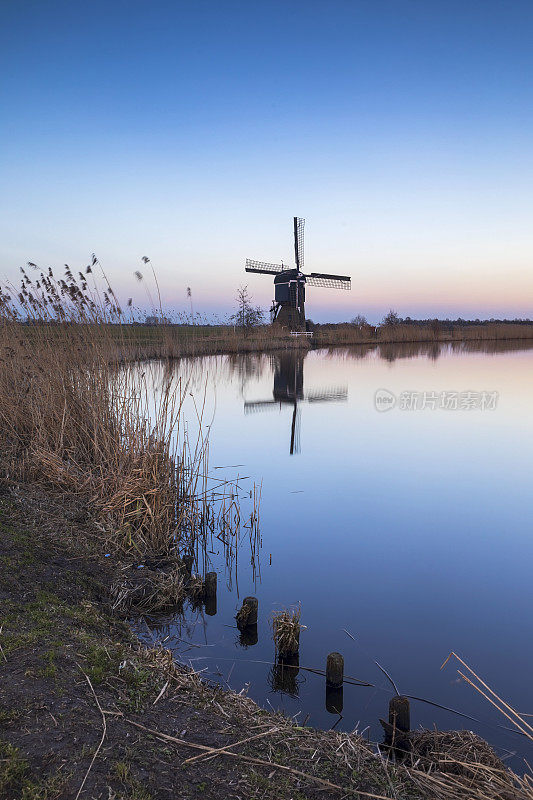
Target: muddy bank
[86, 712]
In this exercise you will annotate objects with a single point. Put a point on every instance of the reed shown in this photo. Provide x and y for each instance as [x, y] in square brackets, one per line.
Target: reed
[286, 629]
[178, 341]
[83, 423]
[154, 592]
[477, 683]
[431, 331]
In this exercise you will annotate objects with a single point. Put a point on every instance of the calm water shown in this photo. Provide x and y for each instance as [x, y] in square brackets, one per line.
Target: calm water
[409, 528]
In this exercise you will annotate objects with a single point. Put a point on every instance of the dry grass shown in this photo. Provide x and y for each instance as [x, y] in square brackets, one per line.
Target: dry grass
[151, 591]
[346, 334]
[452, 765]
[457, 765]
[286, 629]
[195, 588]
[178, 341]
[77, 420]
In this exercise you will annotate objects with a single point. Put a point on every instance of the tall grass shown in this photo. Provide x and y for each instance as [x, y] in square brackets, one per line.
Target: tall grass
[343, 334]
[78, 422]
[176, 341]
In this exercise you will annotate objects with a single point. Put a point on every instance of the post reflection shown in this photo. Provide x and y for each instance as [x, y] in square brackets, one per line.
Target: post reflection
[248, 636]
[334, 699]
[283, 676]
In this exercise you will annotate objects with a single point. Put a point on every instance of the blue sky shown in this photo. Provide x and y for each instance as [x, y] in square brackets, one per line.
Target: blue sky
[194, 132]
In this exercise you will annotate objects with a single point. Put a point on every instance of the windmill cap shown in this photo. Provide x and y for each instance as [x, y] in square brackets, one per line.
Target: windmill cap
[288, 275]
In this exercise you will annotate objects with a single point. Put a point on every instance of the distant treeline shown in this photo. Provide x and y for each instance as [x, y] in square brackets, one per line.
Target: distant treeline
[394, 328]
[460, 321]
[392, 319]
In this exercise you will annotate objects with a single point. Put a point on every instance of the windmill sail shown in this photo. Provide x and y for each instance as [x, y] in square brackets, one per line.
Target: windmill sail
[336, 395]
[328, 281]
[263, 267]
[299, 242]
[260, 405]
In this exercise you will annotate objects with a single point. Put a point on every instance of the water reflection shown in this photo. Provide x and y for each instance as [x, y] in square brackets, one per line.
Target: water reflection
[248, 636]
[334, 699]
[283, 676]
[411, 530]
[288, 389]
[211, 605]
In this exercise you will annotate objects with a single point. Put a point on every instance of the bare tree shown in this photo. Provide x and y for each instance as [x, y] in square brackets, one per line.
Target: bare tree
[247, 315]
[359, 321]
[391, 318]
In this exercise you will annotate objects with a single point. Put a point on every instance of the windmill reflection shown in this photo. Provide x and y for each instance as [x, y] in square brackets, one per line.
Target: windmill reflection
[289, 390]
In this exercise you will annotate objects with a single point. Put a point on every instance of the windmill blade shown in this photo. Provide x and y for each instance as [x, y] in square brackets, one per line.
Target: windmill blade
[299, 242]
[336, 395]
[259, 405]
[263, 267]
[328, 281]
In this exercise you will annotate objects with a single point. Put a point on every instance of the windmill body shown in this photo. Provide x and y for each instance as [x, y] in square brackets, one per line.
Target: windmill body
[288, 307]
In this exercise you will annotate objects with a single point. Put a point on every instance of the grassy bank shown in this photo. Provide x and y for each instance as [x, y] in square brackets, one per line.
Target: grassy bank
[175, 341]
[85, 712]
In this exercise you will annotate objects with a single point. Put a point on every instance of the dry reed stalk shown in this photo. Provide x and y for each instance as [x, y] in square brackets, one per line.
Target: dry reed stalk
[104, 732]
[286, 629]
[261, 762]
[483, 689]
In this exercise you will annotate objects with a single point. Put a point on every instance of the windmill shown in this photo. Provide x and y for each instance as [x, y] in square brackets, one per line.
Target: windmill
[288, 306]
[289, 391]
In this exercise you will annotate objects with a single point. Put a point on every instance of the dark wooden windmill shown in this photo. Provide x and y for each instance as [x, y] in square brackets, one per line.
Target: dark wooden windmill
[288, 306]
[289, 391]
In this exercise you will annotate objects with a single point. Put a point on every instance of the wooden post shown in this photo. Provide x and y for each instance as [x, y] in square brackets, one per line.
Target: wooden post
[400, 714]
[247, 615]
[397, 729]
[253, 604]
[334, 670]
[247, 621]
[210, 584]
